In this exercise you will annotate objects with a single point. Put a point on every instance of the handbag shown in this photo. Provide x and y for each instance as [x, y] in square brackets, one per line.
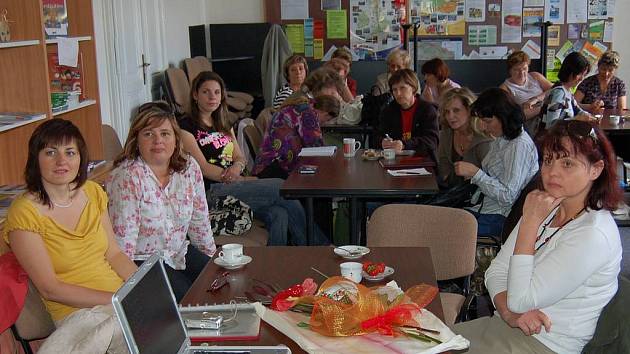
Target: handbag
[229, 216]
[459, 196]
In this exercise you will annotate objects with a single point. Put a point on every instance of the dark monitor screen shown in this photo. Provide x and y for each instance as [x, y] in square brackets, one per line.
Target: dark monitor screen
[152, 314]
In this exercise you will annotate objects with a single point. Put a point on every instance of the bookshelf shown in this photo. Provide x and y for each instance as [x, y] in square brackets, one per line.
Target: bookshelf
[26, 84]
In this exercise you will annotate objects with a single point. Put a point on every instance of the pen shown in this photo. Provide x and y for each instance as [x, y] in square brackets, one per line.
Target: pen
[388, 137]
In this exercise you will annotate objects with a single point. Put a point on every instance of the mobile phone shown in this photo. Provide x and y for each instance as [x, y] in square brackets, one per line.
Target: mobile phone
[307, 169]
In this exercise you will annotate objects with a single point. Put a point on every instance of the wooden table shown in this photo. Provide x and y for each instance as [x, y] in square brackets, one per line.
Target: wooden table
[623, 128]
[364, 130]
[287, 266]
[353, 178]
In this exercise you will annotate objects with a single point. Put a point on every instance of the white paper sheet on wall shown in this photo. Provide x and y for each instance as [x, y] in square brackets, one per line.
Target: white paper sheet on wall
[68, 51]
[499, 52]
[293, 9]
[554, 11]
[532, 49]
[577, 11]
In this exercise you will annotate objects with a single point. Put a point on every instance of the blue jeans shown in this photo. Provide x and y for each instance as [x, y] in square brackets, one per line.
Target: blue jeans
[281, 216]
[488, 224]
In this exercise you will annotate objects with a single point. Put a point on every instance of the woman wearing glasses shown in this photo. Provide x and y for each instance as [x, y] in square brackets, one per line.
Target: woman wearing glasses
[604, 90]
[509, 165]
[157, 200]
[559, 266]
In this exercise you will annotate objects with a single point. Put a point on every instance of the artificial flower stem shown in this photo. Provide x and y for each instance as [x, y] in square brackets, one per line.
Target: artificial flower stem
[319, 272]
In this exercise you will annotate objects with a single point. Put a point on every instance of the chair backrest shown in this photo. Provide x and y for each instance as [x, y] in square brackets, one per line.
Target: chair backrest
[253, 138]
[34, 321]
[111, 143]
[196, 65]
[450, 233]
[263, 120]
[178, 89]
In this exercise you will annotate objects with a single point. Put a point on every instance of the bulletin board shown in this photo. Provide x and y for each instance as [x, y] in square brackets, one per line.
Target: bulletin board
[509, 16]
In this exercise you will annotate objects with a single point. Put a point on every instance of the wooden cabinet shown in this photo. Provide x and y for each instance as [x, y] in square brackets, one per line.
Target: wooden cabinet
[25, 86]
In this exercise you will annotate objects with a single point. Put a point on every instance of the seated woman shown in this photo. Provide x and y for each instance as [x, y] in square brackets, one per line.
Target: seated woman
[295, 70]
[60, 233]
[342, 68]
[297, 124]
[207, 136]
[408, 122]
[560, 102]
[158, 201]
[396, 59]
[604, 90]
[559, 266]
[346, 56]
[509, 165]
[459, 138]
[527, 88]
[435, 72]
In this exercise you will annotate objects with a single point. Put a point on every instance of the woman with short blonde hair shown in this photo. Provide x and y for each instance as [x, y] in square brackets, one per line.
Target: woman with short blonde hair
[396, 59]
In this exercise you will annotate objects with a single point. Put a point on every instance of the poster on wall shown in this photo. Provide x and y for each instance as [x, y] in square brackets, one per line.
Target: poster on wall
[482, 35]
[597, 9]
[532, 18]
[531, 3]
[511, 21]
[438, 17]
[293, 9]
[374, 28]
[576, 11]
[475, 11]
[554, 11]
[439, 48]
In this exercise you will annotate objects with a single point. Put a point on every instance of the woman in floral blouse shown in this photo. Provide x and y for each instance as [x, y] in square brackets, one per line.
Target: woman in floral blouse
[157, 199]
[604, 90]
[297, 124]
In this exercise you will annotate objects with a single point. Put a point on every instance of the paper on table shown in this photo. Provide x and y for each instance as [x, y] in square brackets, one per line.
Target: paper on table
[68, 51]
[313, 342]
[409, 172]
[318, 151]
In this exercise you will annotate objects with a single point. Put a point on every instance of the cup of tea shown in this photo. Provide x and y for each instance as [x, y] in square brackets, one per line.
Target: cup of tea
[350, 147]
[352, 271]
[389, 154]
[231, 253]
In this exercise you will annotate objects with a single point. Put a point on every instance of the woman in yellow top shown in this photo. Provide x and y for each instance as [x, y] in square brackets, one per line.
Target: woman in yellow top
[60, 233]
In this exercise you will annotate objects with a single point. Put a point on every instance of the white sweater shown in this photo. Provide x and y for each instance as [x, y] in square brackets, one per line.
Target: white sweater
[570, 279]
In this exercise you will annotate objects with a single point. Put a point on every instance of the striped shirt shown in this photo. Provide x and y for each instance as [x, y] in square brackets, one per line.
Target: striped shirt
[282, 95]
[505, 171]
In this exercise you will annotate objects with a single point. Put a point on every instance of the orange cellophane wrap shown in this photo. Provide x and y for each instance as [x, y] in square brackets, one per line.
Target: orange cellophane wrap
[344, 317]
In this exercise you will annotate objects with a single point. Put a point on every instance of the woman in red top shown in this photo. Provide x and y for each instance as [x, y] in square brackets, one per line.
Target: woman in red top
[409, 122]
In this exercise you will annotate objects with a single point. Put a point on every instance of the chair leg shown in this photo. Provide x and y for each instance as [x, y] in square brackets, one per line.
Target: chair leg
[25, 344]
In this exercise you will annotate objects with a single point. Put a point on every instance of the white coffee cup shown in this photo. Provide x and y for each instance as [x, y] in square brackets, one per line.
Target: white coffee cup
[231, 253]
[389, 154]
[350, 147]
[352, 271]
[614, 119]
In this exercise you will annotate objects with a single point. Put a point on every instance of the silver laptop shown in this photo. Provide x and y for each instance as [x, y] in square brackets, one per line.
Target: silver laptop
[151, 323]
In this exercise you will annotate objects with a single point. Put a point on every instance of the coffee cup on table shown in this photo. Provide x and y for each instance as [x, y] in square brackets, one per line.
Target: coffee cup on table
[352, 271]
[614, 119]
[231, 253]
[350, 147]
[389, 154]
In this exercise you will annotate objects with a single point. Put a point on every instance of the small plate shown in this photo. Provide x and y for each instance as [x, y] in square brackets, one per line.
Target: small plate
[388, 271]
[221, 263]
[372, 157]
[352, 249]
[405, 153]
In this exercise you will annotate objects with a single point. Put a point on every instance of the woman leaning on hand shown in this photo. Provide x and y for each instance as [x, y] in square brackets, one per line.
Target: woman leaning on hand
[61, 235]
[157, 199]
[559, 266]
[604, 90]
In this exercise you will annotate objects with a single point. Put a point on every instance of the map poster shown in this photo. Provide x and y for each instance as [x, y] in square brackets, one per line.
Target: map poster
[375, 28]
[439, 48]
[439, 17]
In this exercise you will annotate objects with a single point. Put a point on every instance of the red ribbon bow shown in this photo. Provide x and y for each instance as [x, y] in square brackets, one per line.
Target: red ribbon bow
[396, 316]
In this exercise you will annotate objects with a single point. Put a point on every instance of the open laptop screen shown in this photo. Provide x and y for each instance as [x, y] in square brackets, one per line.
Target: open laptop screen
[152, 314]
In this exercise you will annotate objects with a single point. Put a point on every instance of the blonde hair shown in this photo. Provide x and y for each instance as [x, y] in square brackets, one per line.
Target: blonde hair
[610, 58]
[342, 53]
[399, 54]
[150, 115]
[463, 94]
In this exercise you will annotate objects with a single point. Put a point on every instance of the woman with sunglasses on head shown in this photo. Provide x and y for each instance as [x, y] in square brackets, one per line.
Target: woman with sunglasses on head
[509, 165]
[604, 90]
[207, 136]
[61, 235]
[559, 266]
[157, 199]
[297, 124]
[560, 103]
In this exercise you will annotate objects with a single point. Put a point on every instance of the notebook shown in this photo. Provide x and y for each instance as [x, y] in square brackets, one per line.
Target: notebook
[151, 323]
[407, 162]
[318, 151]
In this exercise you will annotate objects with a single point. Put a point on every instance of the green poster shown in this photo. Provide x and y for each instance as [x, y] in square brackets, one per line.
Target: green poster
[337, 24]
[295, 35]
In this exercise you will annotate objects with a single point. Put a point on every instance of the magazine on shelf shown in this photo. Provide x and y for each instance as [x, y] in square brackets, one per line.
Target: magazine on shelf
[55, 18]
[65, 78]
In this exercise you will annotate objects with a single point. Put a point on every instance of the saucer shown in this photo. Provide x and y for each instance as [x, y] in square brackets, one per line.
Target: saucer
[221, 263]
[351, 248]
[388, 271]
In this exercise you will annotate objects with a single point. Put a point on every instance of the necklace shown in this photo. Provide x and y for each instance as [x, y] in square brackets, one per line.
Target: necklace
[558, 229]
[69, 204]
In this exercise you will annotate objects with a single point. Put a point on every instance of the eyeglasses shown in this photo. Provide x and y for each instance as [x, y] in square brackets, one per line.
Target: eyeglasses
[582, 130]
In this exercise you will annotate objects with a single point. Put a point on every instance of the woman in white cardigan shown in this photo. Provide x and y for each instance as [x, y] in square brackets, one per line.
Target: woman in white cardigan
[559, 266]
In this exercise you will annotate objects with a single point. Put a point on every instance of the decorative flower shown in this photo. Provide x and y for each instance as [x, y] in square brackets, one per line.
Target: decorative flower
[288, 298]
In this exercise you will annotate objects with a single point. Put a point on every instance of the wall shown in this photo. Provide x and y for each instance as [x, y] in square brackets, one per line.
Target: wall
[620, 39]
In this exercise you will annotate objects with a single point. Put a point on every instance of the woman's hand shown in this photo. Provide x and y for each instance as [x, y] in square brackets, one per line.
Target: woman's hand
[532, 322]
[538, 205]
[585, 117]
[231, 174]
[465, 169]
[597, 107]
[397, 145]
